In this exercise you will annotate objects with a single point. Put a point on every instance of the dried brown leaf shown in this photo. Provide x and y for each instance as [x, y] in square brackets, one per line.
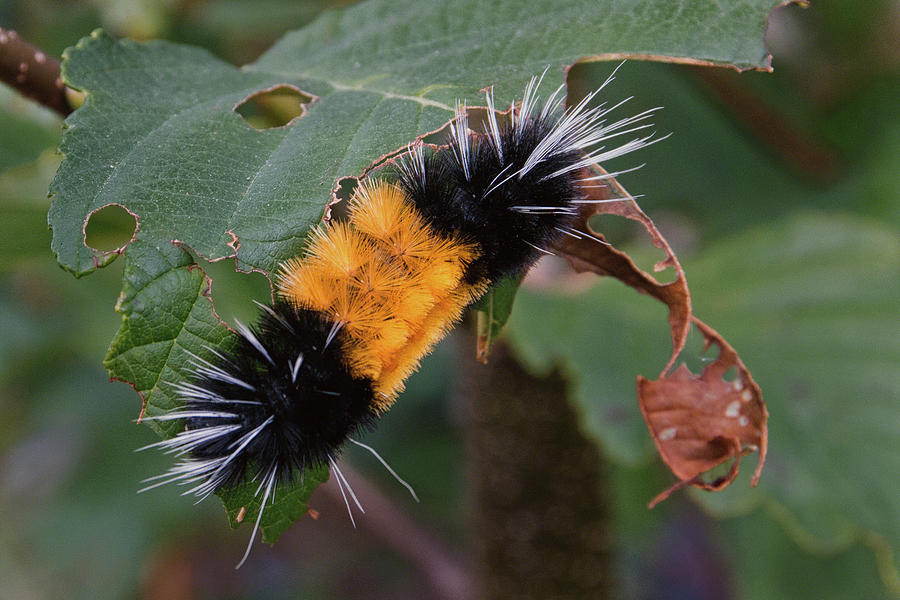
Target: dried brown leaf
[697, 422]
[586, 254]
[700, 422]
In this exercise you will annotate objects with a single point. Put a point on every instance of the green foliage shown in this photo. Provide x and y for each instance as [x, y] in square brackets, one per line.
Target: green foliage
[799, 272]
[382, 73]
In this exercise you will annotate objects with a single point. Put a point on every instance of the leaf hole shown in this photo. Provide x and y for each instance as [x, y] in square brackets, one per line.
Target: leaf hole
[696, 356]
[438, 137]
[731, 375]
[274, 107]
[342, 194]
[110, 228]
[478, 119]
[233, 291]
[478, 122]
[618, 231]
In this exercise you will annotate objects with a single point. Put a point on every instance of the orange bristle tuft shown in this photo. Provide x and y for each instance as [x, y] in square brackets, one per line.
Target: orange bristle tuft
[305, 285]
[381, 210]
[341, 248]
[387, 280]
[431, 330]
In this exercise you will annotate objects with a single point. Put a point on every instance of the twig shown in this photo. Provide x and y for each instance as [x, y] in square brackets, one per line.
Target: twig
[34, 74]
[445, 573]
[803, 151]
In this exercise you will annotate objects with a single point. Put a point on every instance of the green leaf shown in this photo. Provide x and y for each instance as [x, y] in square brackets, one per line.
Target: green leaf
[167, 317]
[404, 46]
[242, 502]
[815, 316]
[810, 304]
[493, 310]
[158, 135]
[766, 559]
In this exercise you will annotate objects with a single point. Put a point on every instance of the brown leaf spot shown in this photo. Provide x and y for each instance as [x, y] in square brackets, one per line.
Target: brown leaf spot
[700, 422]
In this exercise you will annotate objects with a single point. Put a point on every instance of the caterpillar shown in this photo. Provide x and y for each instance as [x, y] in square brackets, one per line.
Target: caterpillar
[372, 294]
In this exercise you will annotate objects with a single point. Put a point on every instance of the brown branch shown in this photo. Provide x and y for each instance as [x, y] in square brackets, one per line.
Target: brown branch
[540, 514]
[801, 150]
[34, 74]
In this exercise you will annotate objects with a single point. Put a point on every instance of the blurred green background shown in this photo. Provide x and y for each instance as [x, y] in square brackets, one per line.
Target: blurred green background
[780, 194]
